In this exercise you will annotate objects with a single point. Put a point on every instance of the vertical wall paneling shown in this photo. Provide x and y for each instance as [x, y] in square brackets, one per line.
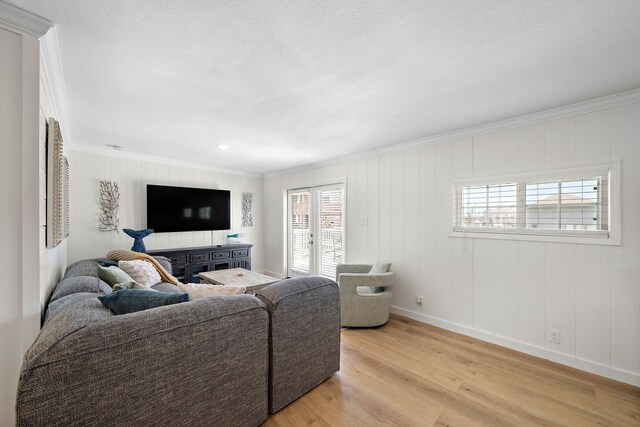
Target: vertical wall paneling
[625, 268]
[386, 224]
[593, 303]
[531, 147]
[444, 251]
[561, 294]
[482, 155]
[531, 293]
[483, 285]
[351, 255]
[427, 221]
[363, 213]
[559, 142]
[593, 137]
[505, 151]
[373, 209]
[462, 274]
[506, 288]
[412, 225]
[398, 226]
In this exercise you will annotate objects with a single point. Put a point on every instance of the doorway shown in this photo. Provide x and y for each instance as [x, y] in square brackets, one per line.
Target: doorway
[315, 230]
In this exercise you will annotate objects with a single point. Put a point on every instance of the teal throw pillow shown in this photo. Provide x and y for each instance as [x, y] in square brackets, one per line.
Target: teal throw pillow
[132, 300]
[113, 275]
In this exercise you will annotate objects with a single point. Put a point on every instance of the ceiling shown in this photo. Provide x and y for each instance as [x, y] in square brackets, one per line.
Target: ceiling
[288, 83]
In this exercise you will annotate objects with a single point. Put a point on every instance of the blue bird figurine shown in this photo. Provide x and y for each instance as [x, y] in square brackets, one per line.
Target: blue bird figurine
[138, 235]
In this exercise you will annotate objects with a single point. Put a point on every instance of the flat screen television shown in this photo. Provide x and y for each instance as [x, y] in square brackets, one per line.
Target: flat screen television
[187, 209]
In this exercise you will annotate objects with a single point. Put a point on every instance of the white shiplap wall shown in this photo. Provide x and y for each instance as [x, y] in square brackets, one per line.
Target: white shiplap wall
[132, 176]
[508, 292]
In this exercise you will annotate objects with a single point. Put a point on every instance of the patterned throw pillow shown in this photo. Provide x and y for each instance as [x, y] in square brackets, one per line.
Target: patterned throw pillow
[140, 271]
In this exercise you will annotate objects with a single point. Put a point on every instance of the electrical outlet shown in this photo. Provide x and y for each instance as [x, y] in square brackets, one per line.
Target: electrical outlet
[364, 221]
[419, 300]
[554, 336]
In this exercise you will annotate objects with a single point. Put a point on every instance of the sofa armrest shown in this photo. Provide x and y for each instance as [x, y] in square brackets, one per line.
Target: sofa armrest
[190, 364]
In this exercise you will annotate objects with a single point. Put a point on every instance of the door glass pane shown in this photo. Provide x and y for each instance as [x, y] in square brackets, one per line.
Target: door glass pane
[329, 228]
[299, 232]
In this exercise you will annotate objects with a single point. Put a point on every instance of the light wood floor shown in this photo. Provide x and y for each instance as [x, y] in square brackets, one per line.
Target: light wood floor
[407, 373]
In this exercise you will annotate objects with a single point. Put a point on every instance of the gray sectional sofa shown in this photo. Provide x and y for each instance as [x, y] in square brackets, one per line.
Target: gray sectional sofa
[213, 361]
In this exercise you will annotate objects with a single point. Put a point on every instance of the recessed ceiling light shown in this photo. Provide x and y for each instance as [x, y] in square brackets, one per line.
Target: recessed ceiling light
[223, 146]
[114, 147]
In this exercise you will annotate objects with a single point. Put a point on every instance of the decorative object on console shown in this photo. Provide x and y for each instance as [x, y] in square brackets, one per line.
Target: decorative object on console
[138, 235]
[109, 205]
[247, 202]
[235, 237]
[57, 186]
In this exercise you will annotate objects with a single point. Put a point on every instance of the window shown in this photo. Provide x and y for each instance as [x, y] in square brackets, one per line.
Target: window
[569, 203]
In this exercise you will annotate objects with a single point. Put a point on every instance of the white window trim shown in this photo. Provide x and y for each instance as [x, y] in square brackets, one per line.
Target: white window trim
[610, 237]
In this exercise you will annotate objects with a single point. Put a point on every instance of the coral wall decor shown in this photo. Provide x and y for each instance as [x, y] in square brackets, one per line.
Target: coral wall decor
[247, 202]
[109, 205]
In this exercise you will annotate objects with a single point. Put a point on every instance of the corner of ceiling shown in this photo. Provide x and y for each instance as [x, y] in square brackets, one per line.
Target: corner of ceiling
[23, 20]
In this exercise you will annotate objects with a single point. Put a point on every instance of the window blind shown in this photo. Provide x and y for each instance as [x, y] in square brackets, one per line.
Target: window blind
[565, 205]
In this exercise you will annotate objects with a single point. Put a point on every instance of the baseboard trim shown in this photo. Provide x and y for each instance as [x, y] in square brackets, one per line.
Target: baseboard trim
[584, 365]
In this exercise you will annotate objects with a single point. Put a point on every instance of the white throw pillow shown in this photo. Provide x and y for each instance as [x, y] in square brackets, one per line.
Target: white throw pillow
[141, 271]
[201, 290]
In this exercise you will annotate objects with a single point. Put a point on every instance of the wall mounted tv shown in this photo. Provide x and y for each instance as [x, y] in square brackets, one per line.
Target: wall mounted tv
[187, 209]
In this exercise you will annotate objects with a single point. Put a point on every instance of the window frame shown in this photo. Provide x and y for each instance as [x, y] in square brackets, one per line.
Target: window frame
[598, 237]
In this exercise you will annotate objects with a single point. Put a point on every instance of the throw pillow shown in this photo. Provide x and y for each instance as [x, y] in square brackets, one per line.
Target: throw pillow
[377, 268]
[132, 300]
[201, 290]
[113, 275]
[140, 271]
[380, 267]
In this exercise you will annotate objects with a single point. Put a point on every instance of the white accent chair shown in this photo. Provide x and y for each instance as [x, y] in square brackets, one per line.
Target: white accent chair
[365, 294]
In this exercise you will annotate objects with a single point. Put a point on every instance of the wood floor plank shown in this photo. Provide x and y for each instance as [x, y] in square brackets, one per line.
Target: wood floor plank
[407, 373]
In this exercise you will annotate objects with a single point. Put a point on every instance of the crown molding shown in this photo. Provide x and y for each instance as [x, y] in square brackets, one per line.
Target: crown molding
[124, 154]
[52, 77]
[584, 107]
[24, 21]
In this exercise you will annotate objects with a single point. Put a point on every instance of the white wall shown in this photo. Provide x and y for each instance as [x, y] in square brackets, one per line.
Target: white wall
[508, 292]
[19, 305]
[132, 176]
[52, 260]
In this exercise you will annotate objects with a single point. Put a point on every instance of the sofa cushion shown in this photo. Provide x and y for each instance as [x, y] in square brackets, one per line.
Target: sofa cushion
[69, 303]
[132, 300]
[141, 271]
[75, 284]
[85, 267]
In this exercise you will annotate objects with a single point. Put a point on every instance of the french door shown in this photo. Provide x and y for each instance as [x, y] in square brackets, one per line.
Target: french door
[315, 230]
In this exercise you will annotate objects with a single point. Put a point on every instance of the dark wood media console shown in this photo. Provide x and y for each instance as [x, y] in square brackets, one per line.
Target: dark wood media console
[186, 263]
